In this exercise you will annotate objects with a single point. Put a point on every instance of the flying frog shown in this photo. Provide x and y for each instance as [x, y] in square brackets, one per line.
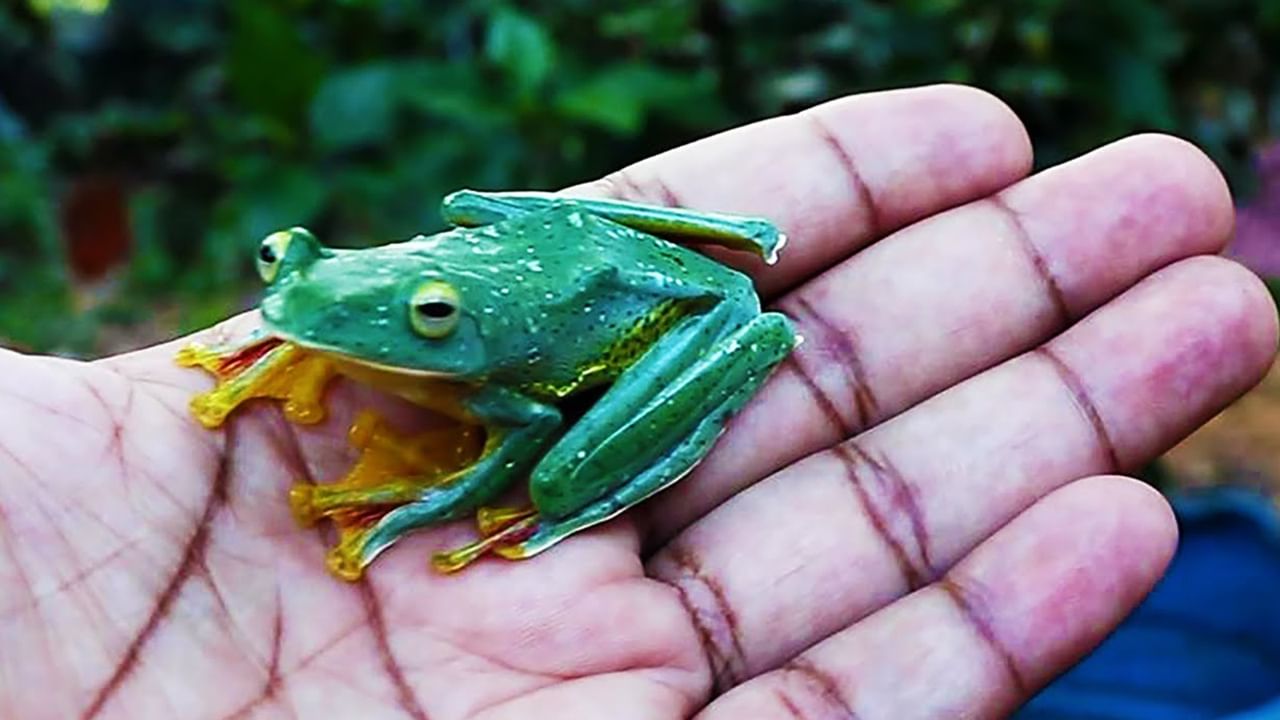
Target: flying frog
[531, 298]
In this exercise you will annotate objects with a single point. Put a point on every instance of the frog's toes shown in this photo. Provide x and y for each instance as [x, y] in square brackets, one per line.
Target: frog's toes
[515, 529]
[344, 564]
[491, 520]
[516, 551]
[303, 412]
[210, 409]
[537, 538]
[302, 505]
[364, 430]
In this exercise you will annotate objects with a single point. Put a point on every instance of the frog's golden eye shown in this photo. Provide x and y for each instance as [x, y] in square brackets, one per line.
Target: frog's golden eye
[271, 254]
[434, 309]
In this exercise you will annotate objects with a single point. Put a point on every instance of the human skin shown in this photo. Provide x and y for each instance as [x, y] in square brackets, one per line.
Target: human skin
[920, 515]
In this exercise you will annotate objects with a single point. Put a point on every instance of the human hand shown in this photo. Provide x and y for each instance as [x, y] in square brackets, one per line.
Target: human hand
[916, 517]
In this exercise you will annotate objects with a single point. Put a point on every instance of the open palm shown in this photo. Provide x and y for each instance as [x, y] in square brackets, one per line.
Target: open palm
[912, 519]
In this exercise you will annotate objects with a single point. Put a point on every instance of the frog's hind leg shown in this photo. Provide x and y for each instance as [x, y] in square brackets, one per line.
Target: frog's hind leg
[518, 430]
[412, 462]
[658, 444]
[469, 208]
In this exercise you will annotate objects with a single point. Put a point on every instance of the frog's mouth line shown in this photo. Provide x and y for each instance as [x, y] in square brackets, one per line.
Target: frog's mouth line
[341, 358]
[245, 357]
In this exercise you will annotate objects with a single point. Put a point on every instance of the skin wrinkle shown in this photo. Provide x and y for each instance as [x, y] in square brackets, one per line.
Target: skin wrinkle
[1052, 288]
[22, 464]
[828, 409]
[1086, 405]
[840, 347]
[89, 603]
[857, 186]
[178, 412]
[303, 663]
[56, 529]
[897, 497]
[272, 681]
[550, 679]
[788, 704]
[622, 185]
[969, 599]
[101, 522]
[822, 687]
[726, 663]
[189, 560]
[225, 618]
[48, 410]
[85, 573]
[116, 419]
[499, 663]
[153, 485]
[378, 628]
[75, 579]
[285, 440]
[27, 587]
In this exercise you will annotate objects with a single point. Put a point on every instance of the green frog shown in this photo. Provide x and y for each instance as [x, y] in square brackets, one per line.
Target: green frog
[529, 300]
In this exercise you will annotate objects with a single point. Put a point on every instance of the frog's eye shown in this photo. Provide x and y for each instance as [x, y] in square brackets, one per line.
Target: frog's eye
[434, 309]
[271, 254]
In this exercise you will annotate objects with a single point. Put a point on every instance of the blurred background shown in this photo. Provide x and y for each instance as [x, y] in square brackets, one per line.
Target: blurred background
[147, 145]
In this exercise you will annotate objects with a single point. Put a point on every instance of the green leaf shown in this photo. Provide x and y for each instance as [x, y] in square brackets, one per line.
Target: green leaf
[620, 98]
[452, 92]
[1140, 93]
[355, 107]
[269, 68]
[522, 47]
[267, 198]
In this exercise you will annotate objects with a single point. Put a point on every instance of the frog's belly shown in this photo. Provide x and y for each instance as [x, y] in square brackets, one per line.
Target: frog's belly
[437, 393]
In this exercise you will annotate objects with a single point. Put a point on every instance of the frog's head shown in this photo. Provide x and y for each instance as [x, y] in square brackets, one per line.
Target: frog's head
[389, 307]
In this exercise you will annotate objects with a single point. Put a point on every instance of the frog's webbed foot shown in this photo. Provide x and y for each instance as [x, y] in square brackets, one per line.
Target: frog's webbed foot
[261, 367]
[393, 469]
[500, 529]
[416, 462]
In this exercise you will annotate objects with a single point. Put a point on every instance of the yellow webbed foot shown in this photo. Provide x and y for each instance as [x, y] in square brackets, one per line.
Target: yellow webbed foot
[426, 456]
[260, 368]
[345, 559]
[393, 469]
[490, 521]
[508, 535]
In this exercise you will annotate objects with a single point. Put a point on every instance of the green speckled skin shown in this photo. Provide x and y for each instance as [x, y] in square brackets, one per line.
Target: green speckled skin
[553, 296]
[543, 296]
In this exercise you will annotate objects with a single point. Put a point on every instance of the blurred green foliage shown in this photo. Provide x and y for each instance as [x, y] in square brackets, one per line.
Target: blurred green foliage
[222, 121]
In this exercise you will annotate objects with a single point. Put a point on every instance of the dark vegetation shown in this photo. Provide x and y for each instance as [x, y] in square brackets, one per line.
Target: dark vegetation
[147, 145]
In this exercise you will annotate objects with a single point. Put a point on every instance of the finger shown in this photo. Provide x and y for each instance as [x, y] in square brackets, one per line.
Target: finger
[1019, 610]
[839, 175]
[846, 531]
[948, 297]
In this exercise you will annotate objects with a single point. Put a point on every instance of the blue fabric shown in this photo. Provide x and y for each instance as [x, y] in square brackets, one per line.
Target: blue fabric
[1206, 643]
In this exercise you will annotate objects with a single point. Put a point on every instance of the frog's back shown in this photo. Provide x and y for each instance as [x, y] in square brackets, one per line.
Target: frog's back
[576, 297]
[565, 239]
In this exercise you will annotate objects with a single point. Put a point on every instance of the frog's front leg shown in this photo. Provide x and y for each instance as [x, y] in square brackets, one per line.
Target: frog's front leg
[518, 431]
[260, 366]
[660, 418]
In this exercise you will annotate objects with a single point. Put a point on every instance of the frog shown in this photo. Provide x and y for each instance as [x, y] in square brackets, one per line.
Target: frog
[528, 302]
